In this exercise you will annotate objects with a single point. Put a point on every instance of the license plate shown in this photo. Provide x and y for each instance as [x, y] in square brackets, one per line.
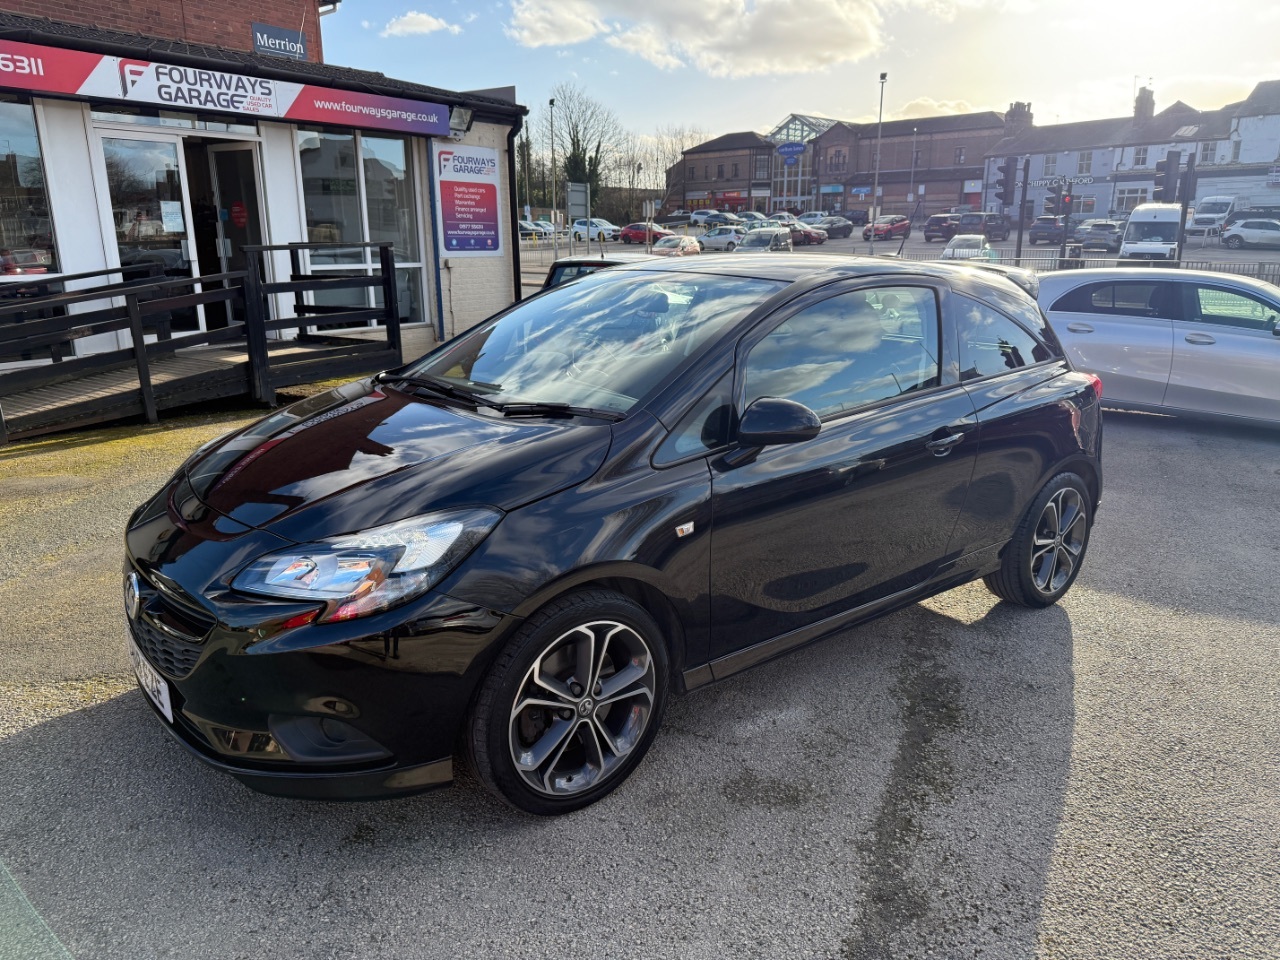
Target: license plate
[152, 684]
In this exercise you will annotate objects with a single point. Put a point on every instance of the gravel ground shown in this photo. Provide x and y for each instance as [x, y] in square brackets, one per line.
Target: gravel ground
[961, 779]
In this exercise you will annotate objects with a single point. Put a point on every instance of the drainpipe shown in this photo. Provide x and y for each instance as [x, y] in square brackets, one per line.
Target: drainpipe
[436, 222]
[515, 202]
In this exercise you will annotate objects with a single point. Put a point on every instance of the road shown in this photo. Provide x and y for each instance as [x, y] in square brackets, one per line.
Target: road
[961, 779]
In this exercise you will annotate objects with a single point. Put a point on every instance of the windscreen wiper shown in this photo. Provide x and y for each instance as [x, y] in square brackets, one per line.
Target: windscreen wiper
[439, 387]
[547, 409]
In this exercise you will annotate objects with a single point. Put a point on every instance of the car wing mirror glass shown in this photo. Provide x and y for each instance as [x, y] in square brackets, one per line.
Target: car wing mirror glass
[772, 420]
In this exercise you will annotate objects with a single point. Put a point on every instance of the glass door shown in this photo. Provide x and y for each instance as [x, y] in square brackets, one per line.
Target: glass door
[239, 219]
[149, 212]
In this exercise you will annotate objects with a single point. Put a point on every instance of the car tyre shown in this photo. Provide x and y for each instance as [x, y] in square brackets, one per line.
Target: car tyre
[1044, 557]
[729, 246]
[1235, 243]
[592, 671]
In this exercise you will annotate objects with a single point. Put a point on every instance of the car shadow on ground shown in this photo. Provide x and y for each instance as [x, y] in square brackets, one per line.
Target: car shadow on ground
[888, 790]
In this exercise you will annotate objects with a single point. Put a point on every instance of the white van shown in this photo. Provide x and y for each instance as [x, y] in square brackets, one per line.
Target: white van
[1152, 233]
[1211, 214]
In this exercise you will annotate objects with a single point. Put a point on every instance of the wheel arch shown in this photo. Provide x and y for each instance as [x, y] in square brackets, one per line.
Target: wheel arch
[638, 584]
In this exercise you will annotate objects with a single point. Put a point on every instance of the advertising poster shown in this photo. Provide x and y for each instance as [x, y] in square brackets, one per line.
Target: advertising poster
[467, 198]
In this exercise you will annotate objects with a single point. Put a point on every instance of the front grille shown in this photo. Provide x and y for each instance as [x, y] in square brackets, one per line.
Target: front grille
[169, 628]
[173, 657]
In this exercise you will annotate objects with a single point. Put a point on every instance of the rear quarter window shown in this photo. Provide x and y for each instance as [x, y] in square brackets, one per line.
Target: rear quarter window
[991, 343]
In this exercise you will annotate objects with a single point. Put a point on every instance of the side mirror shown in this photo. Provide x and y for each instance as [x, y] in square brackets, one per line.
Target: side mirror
[771, 420]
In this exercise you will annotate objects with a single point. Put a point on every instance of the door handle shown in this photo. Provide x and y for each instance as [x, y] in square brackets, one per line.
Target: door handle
[1201, 338]
[1079, 328]
[943, 446]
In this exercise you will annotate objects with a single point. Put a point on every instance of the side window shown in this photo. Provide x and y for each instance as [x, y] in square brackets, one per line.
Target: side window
[849, 350]
[704, 428]
[991, 343]
[1228, 308]
[1130, 298]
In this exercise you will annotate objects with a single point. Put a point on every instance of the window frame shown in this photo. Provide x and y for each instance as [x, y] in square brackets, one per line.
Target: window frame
[753, 337]
[1189, 301]
[1140, 156]
[1084, 163]
[1055, 354]
[369, 262]
[1049, 166]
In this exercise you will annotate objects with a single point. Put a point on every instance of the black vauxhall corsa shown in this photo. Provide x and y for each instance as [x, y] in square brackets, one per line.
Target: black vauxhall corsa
[644, 481]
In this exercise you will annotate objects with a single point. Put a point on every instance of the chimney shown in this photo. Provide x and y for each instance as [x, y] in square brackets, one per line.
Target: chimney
[1018, 118]
[1144, 105]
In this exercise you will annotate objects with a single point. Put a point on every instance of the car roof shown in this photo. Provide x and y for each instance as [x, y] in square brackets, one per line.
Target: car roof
[609, 259]
[818, 266]
[1055, 283]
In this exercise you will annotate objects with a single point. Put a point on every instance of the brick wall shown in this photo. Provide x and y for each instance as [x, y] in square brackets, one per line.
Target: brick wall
[223, 23]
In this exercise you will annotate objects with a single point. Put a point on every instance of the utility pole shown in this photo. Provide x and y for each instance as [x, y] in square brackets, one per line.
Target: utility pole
[1022, 206]
[875, 183]
[1187, 187]
[555, 227]
[911, 190]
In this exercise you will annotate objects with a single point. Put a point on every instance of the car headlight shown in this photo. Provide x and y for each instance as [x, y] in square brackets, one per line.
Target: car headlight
[363, 573]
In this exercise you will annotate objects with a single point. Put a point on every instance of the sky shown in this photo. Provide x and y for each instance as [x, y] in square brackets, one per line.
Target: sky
[731, 65]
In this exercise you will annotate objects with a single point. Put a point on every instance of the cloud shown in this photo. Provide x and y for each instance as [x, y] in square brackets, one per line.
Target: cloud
[470, 18]
[544, 23]
[414, 22]
[721, 38]
[928, 107]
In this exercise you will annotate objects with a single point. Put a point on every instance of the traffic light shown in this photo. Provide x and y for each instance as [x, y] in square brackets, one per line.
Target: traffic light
[1066, 205]
[1166, 187]
[1007, 181]
[1052, 203]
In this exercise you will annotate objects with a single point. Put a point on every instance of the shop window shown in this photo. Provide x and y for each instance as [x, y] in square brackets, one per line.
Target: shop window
[360, 188]
[1086, 204]
[26, 229]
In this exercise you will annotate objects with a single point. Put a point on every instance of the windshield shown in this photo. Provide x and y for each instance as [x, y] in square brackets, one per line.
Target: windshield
[1149, 232]
[757, 238]
[1217, 206]
[602, 342]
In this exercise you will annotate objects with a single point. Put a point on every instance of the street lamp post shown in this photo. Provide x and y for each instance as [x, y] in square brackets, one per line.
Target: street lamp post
[875, 181]
[555, 227]
[911, 190]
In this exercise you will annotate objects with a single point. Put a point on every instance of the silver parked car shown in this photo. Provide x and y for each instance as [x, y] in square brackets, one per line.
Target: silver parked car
[722, 238]
[1173, 341]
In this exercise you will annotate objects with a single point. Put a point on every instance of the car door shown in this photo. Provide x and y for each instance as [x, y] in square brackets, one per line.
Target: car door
[1122, 330]
[1226, 358]
[1269, 233]
[864, 510]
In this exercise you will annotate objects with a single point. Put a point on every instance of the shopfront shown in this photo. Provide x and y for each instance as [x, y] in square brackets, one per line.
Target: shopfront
[109, 160]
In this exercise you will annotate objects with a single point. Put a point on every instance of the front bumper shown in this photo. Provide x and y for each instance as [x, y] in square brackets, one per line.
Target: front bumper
[357, 710]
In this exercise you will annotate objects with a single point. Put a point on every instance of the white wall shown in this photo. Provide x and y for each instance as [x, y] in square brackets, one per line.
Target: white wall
[473, 288]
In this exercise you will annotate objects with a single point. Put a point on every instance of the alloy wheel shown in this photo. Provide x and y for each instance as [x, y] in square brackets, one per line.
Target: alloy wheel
[582, 707]
[1059, 540]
